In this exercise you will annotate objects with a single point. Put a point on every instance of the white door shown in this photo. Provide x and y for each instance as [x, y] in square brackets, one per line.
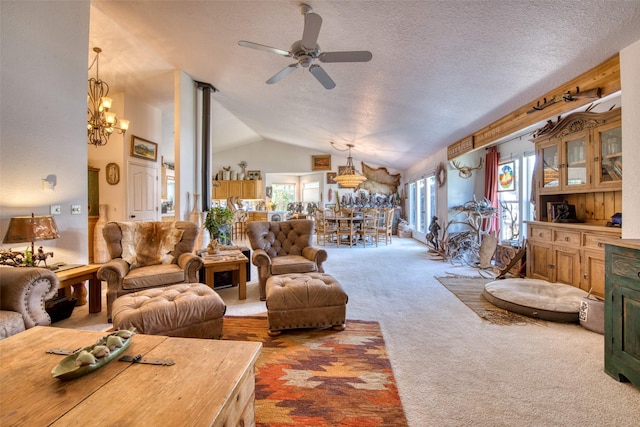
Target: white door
[143, 193]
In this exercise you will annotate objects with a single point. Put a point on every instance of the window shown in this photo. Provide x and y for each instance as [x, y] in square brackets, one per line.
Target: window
[282, 195]
[311, 192]
[422, 203]
[515, 207]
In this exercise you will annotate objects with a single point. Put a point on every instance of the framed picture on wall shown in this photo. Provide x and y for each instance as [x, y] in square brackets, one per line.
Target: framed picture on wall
[330, 176]
[321, 163]
[143, 149]
[506, 177]
[254, 175]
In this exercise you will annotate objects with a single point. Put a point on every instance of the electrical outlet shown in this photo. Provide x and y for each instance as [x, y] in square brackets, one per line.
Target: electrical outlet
[55, 210]
[75, 210]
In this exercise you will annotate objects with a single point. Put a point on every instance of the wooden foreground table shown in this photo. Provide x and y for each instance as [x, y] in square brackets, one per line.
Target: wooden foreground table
[211, 384]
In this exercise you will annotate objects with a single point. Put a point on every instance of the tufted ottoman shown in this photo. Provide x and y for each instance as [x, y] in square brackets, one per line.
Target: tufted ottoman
[190, 310]
[305, 300]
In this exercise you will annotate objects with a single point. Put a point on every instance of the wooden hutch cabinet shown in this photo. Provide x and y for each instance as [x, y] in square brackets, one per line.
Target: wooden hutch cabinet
[579, 160]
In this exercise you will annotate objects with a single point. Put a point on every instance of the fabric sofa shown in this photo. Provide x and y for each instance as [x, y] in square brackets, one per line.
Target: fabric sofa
[148, 255]
[23, 292]
[282, 247]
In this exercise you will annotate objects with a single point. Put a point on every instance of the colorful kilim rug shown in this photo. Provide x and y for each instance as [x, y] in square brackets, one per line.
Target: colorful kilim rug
[321, 377]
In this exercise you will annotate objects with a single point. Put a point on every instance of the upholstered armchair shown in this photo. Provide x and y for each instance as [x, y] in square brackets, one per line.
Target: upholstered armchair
[23, 292]
[148, 255]
[282, 247]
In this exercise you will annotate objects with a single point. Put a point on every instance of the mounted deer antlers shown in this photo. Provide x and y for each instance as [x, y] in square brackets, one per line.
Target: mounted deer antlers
[465, 171]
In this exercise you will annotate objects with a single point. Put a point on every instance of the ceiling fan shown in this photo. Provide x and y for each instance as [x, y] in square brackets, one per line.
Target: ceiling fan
[307, 50]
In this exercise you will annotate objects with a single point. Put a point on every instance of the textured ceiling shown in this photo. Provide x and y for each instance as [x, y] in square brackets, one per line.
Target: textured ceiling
[440, 69]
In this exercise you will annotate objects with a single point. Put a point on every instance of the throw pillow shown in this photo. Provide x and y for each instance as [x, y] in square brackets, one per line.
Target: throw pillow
[148, 243]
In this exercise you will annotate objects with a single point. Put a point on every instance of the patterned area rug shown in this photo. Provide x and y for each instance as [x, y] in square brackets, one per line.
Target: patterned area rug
[469, 291]
[321, 377]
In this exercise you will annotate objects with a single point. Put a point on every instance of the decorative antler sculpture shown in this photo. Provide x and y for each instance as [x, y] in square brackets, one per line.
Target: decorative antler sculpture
[465, 171]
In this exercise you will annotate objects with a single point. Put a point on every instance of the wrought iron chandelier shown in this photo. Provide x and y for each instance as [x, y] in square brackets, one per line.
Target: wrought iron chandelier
[101, 122]
[349, 177]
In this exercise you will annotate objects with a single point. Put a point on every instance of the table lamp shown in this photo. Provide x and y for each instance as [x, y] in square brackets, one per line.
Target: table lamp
[23, 229]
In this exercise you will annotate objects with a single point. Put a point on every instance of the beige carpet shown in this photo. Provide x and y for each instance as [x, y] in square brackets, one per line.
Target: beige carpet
[453, 368]
[469, 291]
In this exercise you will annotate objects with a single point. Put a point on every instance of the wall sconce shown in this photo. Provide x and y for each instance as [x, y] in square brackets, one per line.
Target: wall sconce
[50, 182]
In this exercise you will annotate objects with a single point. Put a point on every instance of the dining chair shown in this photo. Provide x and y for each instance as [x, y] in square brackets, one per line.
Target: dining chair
[385, 227]
[369, 226]
[330, 226]
[345, 226]
[325, 226]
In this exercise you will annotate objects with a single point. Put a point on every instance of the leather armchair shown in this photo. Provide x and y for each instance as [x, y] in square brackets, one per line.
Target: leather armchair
[23, 292]
[122, 279]
[282, 247]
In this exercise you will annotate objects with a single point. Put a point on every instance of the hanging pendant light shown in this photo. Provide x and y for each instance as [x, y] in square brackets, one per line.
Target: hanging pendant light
[349, 177]
[101, 122]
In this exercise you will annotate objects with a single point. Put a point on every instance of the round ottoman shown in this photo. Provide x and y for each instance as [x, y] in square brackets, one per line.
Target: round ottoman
[190, 310]
[309, 300]
[555, 302]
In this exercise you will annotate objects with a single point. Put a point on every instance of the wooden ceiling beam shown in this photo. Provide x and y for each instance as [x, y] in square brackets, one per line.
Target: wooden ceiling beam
[605, 76]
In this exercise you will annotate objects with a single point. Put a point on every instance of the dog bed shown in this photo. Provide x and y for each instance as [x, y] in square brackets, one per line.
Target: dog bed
[555, 302]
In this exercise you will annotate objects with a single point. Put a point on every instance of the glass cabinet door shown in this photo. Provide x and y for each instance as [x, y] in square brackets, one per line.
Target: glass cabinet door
[609, 171]
[550, 175]
[575, 170]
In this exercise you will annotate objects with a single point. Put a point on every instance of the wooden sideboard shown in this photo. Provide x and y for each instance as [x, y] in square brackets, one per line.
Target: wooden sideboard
[569, 253]
[622, 311]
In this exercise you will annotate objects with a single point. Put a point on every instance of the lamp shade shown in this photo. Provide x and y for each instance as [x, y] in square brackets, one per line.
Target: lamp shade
[32, 228]
[349, 177]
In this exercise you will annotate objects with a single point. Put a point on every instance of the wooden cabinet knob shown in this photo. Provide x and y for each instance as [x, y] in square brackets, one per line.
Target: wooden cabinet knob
[566, 239]
[600, 244]
[540, 234]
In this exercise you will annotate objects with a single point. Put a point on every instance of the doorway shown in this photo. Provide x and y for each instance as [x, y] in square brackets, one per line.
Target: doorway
[142, 193]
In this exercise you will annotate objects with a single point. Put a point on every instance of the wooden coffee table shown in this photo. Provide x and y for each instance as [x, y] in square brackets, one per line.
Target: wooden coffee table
[75, 277]
[233, 261]
[211, 384]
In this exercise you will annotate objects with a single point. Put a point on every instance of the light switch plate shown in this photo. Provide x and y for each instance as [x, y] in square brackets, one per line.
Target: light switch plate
[55, 210]
[75, 210]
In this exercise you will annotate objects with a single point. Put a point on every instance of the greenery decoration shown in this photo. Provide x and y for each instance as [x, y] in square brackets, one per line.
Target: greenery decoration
[217, 217]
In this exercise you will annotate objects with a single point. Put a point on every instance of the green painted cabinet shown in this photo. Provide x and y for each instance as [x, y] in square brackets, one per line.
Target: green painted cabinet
[622, 311]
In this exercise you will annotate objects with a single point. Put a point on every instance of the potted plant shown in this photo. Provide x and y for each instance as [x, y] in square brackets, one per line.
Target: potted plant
[218, 222]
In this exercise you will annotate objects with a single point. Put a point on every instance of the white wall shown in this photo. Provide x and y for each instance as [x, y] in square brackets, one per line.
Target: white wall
[630, 72]
[274, 157]
[185, 145]
[43, 111]
[146, 122]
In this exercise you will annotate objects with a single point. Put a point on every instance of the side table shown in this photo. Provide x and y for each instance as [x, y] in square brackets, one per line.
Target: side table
[233, 261]
[75, 277]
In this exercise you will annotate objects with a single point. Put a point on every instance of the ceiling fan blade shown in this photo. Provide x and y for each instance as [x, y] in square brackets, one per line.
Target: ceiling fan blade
[285, 72]
[322, 76]
[346, 56]
[258, 46]
[312, 24]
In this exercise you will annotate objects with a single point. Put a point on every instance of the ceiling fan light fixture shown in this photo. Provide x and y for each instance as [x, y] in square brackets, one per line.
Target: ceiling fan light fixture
[349, 177]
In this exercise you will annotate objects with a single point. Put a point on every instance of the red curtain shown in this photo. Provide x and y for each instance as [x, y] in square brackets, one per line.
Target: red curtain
[491, 189]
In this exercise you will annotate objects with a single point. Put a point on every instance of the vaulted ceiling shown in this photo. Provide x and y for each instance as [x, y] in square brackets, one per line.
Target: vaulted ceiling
[440, 69]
